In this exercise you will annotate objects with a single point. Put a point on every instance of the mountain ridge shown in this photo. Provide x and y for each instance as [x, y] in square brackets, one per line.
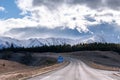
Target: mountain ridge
[6, 42]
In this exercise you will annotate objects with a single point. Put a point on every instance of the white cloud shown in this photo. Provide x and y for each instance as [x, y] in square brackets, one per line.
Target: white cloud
[24, 5]
[66, 15]
[16, 23]
[2, 8]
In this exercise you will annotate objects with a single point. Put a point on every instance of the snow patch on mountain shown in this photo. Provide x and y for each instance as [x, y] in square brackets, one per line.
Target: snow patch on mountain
[37, 42]
[93, 39]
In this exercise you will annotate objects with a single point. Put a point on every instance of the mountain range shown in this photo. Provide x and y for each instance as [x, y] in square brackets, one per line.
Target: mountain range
[6, 42]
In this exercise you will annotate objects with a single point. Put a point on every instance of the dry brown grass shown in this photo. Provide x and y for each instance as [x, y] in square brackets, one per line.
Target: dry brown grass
[8, 66]
[94, 59]
[30, 72]
[103, 67]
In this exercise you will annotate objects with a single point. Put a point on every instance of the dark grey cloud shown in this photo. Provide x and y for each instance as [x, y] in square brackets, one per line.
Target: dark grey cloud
[49, 3]
[95, 4]
[114, 4]
[30, 32]
[90, 3]
[55, 3]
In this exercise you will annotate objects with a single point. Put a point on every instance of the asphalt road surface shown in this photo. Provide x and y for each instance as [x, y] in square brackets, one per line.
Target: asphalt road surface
[77, 70]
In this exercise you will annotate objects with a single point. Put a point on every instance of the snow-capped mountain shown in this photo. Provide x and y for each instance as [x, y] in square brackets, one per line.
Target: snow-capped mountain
[7, 41]
[92, 39]
[48, 41]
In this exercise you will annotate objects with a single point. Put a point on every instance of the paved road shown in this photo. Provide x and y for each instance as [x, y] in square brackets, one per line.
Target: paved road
[77, 70]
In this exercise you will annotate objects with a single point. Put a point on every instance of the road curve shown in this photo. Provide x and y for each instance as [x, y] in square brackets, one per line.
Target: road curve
[77, 70]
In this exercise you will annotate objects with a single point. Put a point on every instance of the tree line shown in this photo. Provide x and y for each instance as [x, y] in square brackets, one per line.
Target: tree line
[68, 48]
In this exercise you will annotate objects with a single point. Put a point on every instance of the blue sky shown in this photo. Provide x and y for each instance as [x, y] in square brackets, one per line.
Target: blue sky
[70, 18]
[11, 9]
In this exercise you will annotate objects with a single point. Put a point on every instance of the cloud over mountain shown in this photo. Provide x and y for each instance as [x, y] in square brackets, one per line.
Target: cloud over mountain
[107, 31]
[43, 32]
[63, 17]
